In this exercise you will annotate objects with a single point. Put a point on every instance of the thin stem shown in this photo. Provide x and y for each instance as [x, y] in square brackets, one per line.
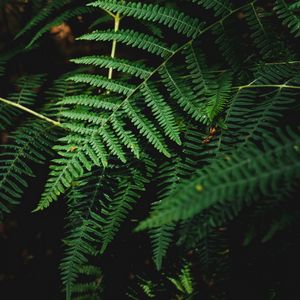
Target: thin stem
[32, 112]
[256, 86]
[117, 19]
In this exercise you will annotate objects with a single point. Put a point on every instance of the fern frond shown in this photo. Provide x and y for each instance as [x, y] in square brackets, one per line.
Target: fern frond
[26, 93]
[131, 38]
[196, 64]
[229, 44]
[247, 119]
[183, 95]
[126, 136]
[113, 143]
[84, 152]
[90, 101]
[70, 166]
[219, 98]
[146, 128]
[295, 5]
[232, 177]
[289, 17]
[65, 16]
[91, 288]
[83, 115]
[42, 15]
[100, 81]
[31, 143]
[78, 248]
[83, 231]
[118, 205]
[220, 7]
[161, 111]
[261, 33]
[172, 18]
[184, 283]
[161, 237]
[126, 66]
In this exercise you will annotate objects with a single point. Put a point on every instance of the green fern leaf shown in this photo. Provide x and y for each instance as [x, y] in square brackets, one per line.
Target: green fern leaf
[219, 97]
[159, 14]
[26, 94]
[131, 38]
[118, 205]
[289, 18]
[162, 112]
[146, 128]
[42, 15]
[233, 177]
[261, 33]
[183, 95]
[31, 143]
[219, 7]
[65, 16]
[100, 81]
[90, 101]
[136, 69]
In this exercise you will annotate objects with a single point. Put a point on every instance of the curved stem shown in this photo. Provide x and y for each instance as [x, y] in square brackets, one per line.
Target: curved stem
[32, 112]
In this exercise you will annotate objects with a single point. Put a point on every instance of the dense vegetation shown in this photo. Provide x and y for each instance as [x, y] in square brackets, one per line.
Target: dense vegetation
[174, 122]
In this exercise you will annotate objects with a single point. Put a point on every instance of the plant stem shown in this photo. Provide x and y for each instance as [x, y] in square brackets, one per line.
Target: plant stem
[256, 86]
[117, 20]
[32, 112]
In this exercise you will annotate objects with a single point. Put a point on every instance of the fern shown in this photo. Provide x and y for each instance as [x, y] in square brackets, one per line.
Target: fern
[289, 17]
[31, 143]
[184, 283]
[262, 36]
[116, 209]
[191, 111]
[136, 69]
[62, 14]
[219, 7]
[131, 38]
[253, 176]
[161, 112]
[25, 94]
[166, 16]
[220, 97]
[89, 290]
[83, 230]
[45, 13]
[161, 237]
[103, 82]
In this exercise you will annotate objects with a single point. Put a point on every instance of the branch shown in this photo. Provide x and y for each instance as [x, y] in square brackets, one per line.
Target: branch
[32, 112]
[257, 86]
[117, 19]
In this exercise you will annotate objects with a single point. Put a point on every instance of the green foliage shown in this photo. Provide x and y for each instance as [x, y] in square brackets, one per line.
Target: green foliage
[59, 13]
[189, 108]
[232, 176]
[30, 144]
[290, 18]
[174, 19]
[26, 89]
[182, 286]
